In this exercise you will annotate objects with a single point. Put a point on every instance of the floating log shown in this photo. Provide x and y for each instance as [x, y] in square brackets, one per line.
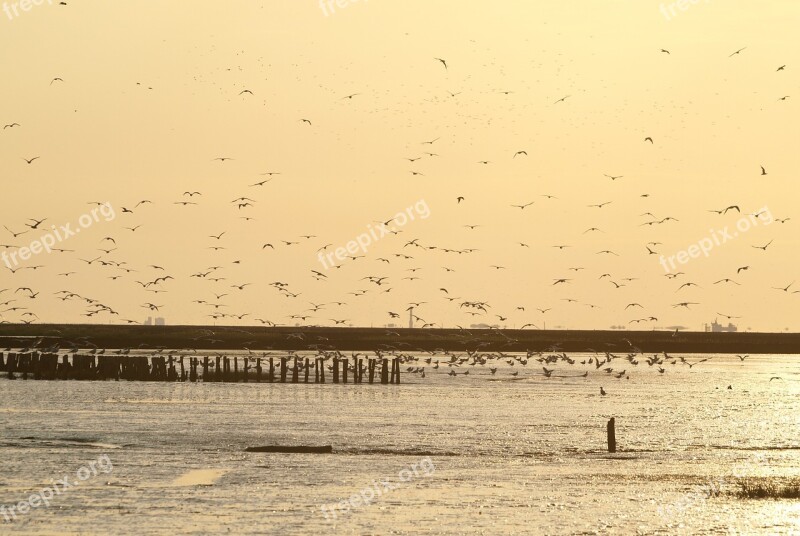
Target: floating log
[326, 449]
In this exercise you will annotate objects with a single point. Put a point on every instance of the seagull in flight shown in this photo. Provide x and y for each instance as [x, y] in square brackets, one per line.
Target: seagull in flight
[31, 160]
[764, 247]
[443, 62]
[737, 52]
[786, 288]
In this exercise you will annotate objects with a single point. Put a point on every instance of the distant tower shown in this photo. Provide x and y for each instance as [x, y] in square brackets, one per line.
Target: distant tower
[410, 318]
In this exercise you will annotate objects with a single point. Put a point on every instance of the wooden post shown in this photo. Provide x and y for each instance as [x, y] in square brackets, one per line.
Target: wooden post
[246, 369]
[271, 371]
[308, 369]
[235, 369]
[11, 365]
[397, 374]
[218, 370]
[205, 369]
[335, 370]
[344, 370]
[283, 370]
[316, 370]
[360, 371]
[321, 370]
[258, 370]
[612, 437]
[371, 367]
[385, 371]
[296, 371]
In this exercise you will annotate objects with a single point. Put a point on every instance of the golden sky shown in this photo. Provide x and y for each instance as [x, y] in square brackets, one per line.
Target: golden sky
[150, 93]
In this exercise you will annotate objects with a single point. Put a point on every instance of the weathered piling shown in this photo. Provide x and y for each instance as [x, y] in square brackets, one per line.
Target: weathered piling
[11, 366]
[101, 367]
[612, 436]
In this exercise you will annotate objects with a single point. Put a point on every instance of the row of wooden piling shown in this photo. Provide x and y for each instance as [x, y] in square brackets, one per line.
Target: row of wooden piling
[48, 366]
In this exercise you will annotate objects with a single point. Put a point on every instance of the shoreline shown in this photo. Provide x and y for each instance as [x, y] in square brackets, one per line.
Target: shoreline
[260, 338]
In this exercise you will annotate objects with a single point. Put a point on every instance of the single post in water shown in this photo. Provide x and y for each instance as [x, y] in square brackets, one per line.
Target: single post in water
[612, 436]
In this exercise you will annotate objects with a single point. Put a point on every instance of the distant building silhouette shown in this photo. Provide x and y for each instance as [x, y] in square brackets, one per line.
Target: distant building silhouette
[160, 321]
[716, 327]
[149, 321]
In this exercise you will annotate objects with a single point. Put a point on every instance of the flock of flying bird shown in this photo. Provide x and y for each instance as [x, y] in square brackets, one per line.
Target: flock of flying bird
[395, 274]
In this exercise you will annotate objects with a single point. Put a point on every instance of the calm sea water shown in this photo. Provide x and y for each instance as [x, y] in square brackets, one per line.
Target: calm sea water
[470, 454]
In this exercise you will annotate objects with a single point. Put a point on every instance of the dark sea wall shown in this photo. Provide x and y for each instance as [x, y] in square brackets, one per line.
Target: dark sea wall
[258, 338]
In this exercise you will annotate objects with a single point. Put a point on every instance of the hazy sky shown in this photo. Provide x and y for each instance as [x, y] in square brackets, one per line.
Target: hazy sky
[152, 92]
